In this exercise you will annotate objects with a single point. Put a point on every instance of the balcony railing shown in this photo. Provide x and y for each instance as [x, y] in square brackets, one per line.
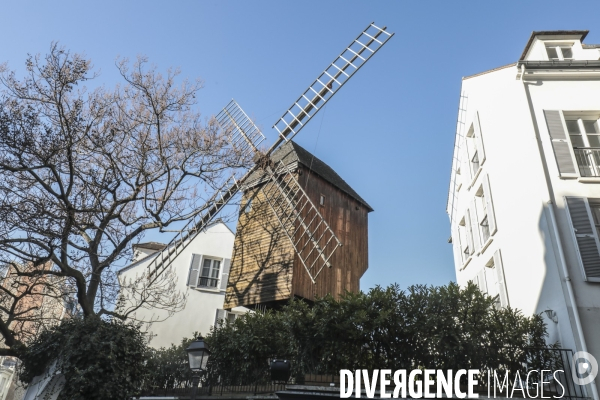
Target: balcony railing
[208, 282]
[588, 160]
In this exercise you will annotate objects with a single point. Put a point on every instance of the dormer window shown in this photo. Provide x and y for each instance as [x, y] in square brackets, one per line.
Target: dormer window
[559, 52]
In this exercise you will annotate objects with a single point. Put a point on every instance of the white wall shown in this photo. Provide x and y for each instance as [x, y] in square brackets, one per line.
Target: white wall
[202, 303]
[527, 189]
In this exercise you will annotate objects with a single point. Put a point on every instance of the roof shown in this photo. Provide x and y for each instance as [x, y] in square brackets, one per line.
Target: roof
[583, 34]
[150, 245]
[292, 152]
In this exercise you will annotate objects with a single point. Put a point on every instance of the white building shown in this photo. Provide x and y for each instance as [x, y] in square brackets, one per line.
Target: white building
[524, 197]
[201, 272]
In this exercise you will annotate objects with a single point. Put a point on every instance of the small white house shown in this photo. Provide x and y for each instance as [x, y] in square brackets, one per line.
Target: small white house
[524, 196]
[201, 272]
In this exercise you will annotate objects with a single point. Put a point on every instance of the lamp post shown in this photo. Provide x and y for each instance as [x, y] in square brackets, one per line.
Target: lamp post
[198, 354]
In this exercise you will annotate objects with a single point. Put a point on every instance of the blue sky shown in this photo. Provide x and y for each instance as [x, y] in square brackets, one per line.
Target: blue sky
[389, 132]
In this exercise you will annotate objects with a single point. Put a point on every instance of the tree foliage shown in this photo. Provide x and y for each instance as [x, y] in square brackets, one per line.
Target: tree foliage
[442, 327]
[84, 173]
[98, 359]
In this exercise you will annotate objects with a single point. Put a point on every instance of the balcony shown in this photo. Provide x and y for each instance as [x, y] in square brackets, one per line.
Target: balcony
[208, 282]
[588, 161]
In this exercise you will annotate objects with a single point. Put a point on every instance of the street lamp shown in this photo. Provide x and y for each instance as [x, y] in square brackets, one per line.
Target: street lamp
[198, 354]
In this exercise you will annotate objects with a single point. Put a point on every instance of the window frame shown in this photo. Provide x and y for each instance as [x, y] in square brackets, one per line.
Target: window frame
[558, 48]
[210, 279]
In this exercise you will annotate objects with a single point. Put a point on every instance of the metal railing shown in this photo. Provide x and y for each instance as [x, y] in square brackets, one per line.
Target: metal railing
[208, 282]
[528, 370]
[588, 161]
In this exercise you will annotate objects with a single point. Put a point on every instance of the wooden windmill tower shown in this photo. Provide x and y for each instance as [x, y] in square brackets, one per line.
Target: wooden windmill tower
[273, 257]
[304, 235]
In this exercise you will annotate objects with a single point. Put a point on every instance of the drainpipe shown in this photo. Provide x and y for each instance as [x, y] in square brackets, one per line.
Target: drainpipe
[563, 261]
[570, 291]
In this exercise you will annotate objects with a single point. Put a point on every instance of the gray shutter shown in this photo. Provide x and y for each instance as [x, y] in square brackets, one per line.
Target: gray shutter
[560, 144]
[479, 139]
[586, 237]
[502, 291]
[474, 226]
[225, 273]
[489, 205]
[221, 314]
[481, 282]
[194, 270]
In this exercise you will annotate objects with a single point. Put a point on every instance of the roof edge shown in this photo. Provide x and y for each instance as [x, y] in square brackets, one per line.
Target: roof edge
[489, 71]
[582, 33]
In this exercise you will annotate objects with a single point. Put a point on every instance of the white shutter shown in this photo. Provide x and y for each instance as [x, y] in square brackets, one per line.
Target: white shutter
[219, 317]
[479, 139]
[225, 273]
[502, 291]
[586, 237]
[469, 230]
[465, 169]
[481, 282]
[194, 270]
[457, 247]
[489, 205]
[474, 226]
[560, 144]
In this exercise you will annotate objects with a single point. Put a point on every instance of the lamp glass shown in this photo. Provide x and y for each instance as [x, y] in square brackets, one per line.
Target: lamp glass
[198, 355]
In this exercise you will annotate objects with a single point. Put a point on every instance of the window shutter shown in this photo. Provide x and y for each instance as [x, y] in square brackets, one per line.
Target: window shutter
[469, 230]
[225, 274]
[481, 282]
[479, 139]
[474, 226]
[221, 314]
[194, 270]
[586, 237]
[457, 247]
[489, 205]
[502, 292]
[560, 144]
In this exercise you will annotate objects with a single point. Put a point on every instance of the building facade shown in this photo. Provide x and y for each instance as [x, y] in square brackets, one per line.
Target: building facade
[524, 196]
[200, 272]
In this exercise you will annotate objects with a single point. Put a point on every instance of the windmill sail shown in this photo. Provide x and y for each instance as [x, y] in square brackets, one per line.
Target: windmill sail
[240, 127]
[312, 238]
[331, 80]
[242, 132]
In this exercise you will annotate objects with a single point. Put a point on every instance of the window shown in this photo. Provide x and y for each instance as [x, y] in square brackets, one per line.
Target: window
[466, 238]
[209, 277]
[482, 213]
[474, 151]
[575, 137]
[248, 206]
[559, 52]
[204, 271]
[585, 140]
[231, 317]
[321, 200]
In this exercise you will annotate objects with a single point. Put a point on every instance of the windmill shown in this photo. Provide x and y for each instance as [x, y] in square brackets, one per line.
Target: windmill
[312, 238]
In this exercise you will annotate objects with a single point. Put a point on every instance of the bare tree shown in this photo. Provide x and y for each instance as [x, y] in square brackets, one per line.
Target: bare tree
[84, 173]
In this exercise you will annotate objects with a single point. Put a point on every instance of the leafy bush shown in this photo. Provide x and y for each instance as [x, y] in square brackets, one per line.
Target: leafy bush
[98, 359]
[442, 327]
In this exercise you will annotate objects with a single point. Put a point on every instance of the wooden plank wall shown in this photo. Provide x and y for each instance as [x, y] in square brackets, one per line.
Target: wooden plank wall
[349, 220]
[262, 260]
[264, 267]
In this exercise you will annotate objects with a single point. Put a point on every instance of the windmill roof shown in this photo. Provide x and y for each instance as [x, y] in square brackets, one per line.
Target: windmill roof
[291, 152]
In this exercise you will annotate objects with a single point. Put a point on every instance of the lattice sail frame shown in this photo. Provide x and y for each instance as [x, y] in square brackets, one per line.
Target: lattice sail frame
[194, 226]
[242, 132]
[308, 104]
[331, 80]
[309, 233]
